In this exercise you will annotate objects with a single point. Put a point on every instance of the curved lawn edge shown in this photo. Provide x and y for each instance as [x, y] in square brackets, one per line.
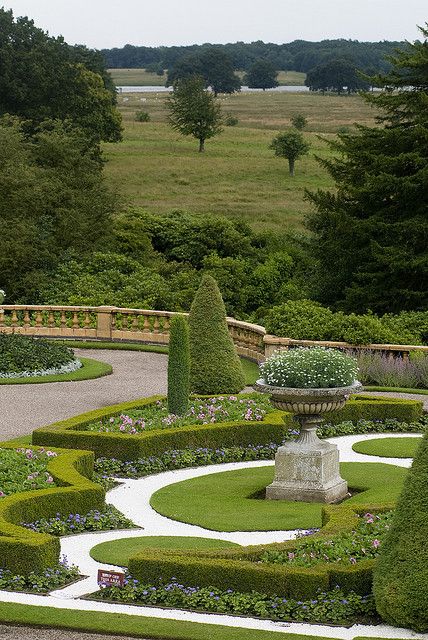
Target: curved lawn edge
[404, 447]
[89, 370]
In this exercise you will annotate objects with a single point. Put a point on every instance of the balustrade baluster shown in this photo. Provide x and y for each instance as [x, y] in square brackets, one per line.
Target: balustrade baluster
[146, 326]
[39, 318]
[26, 318]
[51, 319]
[63, 319]
[156, 325]
[75, 321]
[14, 319]
[87, 319]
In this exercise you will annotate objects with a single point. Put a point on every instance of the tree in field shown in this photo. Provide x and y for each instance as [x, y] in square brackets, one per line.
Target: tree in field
[215, 366]
[337, 75]
[299, 121]
[261, 75]
[212, 64]
[194, 111]
[371, 234]
[178, 366]
[290, 145]
[44, 78]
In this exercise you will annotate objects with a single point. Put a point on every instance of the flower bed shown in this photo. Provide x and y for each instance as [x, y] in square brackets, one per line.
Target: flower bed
[326, 607]
[24, 470]
[24, 356]
[107, 519]
[54, 577]
[201, 411]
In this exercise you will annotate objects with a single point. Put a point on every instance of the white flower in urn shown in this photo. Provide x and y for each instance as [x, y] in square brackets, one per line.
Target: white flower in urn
[2, 296]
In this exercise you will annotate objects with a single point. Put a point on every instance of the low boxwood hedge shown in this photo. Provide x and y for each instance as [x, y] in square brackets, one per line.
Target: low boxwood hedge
[71, 433]
[23, 550]
[240, 569]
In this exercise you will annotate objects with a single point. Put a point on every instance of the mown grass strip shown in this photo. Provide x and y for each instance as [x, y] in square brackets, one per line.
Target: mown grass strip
[91, 369]
[388, 447]
[133, 626]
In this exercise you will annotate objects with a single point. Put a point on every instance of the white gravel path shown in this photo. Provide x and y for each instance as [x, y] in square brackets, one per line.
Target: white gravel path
[132, 498]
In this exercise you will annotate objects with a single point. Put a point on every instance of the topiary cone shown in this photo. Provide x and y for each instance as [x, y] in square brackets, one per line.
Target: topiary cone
[215, 365]
[400, 578]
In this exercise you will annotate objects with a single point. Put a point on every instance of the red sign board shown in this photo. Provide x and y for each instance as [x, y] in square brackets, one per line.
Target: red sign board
[110, 578]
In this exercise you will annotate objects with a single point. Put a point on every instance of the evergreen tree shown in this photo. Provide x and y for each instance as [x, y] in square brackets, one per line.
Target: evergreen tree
[401, 574]
[215, 365]
[194, 111]
[371, 234]
[178, 366]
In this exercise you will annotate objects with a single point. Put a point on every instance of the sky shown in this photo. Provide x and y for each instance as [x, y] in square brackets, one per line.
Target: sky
[110, 23]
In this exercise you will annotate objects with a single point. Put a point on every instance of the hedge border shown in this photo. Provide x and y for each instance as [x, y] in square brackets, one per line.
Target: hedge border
[70, 433]
[233, 568]
[23, 550]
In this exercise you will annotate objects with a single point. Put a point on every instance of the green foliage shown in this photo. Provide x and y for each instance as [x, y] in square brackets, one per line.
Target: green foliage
[54, 203]
[178, 366]
[105, 520]
[215, 365]
[22, 550]
[261, 75]
[290, 145]
[401, 573]
[230, 120]
[315, 368]
[212, 64]
[299, 121]
[193, 111]
[44, 78]
[335, 75]
[370, 233]
[142, 116]
[307, 320]
[23, 353]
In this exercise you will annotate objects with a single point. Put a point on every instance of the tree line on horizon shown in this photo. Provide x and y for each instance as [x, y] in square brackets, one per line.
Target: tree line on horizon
[299, 55]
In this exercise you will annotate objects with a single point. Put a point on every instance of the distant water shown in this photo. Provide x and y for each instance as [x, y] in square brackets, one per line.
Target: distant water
[155, 89]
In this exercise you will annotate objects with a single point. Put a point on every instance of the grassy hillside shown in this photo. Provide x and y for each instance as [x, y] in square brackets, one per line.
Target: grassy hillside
[238, 175]
[140, 77]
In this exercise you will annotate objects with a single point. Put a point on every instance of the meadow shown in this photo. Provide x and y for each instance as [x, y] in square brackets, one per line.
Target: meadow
[238, 175]
[142, 78]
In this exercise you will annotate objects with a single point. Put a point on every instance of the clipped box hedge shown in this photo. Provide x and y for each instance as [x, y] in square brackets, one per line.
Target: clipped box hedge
[23, 550]
[240, 569]
[71, 433]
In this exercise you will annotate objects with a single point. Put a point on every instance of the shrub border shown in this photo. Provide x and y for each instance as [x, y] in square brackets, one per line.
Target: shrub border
[69, 434]
[23, 550]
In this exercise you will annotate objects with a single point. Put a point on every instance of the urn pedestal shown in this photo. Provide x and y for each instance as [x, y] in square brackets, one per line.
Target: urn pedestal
[307, 470]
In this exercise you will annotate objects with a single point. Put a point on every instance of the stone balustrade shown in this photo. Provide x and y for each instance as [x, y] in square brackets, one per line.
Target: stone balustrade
[149, 326]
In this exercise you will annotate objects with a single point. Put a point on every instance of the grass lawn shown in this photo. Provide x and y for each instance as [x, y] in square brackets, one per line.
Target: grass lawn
[133, 626]
[119, 551]
[388, 447]
[140, 77]
[90, 369]
[226, 501]
[237, 176]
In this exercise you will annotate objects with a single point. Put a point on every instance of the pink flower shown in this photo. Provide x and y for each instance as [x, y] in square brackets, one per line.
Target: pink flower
[352, 561]
[375, 543]
[2, 495]
[51, 454]
[49, 479]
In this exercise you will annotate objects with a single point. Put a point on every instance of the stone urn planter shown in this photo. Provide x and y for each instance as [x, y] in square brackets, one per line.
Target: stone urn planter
[307, 469]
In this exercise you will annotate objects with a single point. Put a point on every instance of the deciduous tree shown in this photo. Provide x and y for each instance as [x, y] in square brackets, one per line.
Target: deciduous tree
[261, 75]
[194, 111]
[290, 145]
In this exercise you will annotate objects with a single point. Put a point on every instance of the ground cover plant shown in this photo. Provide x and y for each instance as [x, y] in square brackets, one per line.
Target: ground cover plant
[388, 447]
[200, 411]
[119, 551]
[330, 607]
[95, 520]
[23, 356]
[24, 470]
[35, 582]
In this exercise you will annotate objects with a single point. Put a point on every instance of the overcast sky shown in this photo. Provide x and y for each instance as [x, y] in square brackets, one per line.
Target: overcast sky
[113, 23]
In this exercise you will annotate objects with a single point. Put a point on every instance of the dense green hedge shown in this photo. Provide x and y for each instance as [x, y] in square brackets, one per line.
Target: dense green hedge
[401, 575]
[71, 433]
[23, 550]
[239, 569]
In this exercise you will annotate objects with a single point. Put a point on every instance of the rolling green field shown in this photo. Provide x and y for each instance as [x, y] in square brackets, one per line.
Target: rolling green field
[237, 176]
[140, 77]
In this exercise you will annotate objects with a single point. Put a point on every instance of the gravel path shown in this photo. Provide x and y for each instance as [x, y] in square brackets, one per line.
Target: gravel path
[28, 633]
[136, 374]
